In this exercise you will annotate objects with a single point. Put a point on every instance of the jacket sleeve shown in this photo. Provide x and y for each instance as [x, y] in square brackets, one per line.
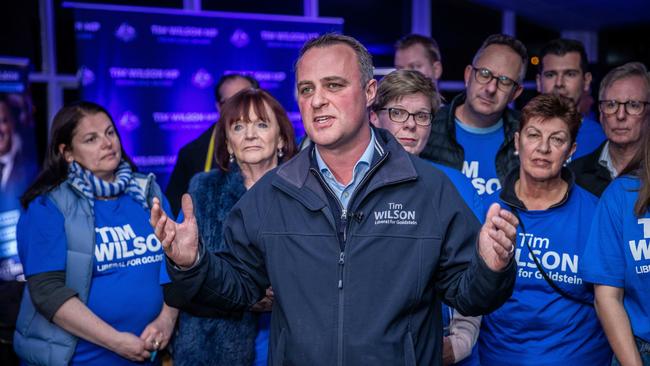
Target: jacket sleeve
[230, 280]
[464, 281]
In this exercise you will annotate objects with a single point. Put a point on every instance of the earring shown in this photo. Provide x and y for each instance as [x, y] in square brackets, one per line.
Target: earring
[231, 158]
[516, 153]
[567, 161]
[280, 153]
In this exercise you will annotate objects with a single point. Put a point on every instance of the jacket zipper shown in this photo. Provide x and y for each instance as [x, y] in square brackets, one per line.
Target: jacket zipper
[341, 263]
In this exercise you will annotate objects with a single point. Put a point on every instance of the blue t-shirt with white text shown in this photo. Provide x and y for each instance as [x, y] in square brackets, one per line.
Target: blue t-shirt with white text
[465, 189]
[481, 146]
[125, 290]
[618, 253]
[537, 326]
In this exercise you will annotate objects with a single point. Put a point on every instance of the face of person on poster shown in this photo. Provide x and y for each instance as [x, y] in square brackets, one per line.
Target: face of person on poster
[7, 125]
[95, 145]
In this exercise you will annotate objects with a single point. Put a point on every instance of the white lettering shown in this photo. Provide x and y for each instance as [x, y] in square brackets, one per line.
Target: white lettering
[104, 252]
[646, 226]
[470, 169]
[125, 232]
[640, 250]
[139, 245]
[153, 243]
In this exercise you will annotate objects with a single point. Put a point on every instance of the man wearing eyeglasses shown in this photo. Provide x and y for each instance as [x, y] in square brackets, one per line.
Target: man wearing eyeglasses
[624, 96]
[475, 132]
[564, 70]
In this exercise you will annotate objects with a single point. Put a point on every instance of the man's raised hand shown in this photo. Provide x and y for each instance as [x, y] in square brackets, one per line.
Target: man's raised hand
[180, 241]
[496, 242]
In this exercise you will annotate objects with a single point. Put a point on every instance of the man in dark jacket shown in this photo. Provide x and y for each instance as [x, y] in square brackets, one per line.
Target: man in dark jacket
[197, 156]
[624, 96]
[475, 132]
[357, 237]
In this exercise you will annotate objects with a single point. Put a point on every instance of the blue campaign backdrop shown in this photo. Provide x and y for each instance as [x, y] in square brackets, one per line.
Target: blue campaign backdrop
[155, 69]
[18, 164]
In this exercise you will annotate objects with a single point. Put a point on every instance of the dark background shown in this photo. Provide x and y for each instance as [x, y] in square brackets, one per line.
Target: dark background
[459, 26]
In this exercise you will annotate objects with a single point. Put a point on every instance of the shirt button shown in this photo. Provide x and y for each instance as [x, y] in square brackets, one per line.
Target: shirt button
[345, 194]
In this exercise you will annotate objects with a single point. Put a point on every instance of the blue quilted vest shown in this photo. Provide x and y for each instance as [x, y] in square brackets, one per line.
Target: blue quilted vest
[38, 341]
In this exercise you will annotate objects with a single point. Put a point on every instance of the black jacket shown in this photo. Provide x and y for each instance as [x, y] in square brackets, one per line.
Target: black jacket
[191, 160]
[589, 174]
[443, 148]
[408, 240]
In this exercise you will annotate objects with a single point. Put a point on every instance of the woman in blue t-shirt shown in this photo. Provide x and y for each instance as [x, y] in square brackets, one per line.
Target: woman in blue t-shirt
[617, 258]
[90, 256]
[405, 105]
[549, 320]
[253, 135]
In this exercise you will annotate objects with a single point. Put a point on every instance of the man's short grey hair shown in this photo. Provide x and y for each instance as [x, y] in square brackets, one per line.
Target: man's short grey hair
[625, 71]
[330, 39]
[509, 41]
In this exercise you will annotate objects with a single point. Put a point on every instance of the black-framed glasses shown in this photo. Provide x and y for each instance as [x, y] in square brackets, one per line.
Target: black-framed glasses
[400, 115]
[632, 107]
[485, 76]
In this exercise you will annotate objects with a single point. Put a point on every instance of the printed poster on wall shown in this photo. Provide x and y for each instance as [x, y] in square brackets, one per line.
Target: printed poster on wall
[155, 69]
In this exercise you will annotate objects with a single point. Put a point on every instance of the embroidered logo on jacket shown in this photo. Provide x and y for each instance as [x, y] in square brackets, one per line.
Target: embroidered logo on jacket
[395, 215]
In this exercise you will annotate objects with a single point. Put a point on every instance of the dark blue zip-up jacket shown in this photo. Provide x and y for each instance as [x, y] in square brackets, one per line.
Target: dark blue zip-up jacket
[367, 297]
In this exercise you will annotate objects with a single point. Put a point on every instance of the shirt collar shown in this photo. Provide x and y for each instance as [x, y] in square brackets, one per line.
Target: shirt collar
[606, 161]
[365, 159]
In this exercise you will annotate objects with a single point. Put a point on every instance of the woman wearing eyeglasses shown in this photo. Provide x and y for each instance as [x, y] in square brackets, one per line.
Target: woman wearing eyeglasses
[617, 259]
[405, 104]
[550, 319]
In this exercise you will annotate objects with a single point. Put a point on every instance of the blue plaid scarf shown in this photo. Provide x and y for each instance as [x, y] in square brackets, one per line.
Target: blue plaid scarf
[92, 186]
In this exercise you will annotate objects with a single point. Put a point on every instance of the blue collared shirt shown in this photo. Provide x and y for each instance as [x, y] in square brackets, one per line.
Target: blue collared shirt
[344, 192]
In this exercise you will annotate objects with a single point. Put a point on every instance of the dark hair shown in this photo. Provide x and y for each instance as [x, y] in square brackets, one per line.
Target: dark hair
[237, 108]
[330, 39]
[429, 44]
[400, 83]
[548, 106]
[509, 41]
[562, 46]
[230, 77]
[55, 167]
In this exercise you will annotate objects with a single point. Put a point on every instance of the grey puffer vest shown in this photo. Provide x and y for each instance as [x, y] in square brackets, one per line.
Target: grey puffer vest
[37, 341]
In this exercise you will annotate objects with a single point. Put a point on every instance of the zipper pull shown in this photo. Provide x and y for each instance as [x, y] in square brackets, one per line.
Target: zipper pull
[344, 214]
[342, 258]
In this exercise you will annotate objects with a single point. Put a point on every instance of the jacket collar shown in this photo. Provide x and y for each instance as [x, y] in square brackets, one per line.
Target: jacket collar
[396, 166]
[509, 197]
[592, 162]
